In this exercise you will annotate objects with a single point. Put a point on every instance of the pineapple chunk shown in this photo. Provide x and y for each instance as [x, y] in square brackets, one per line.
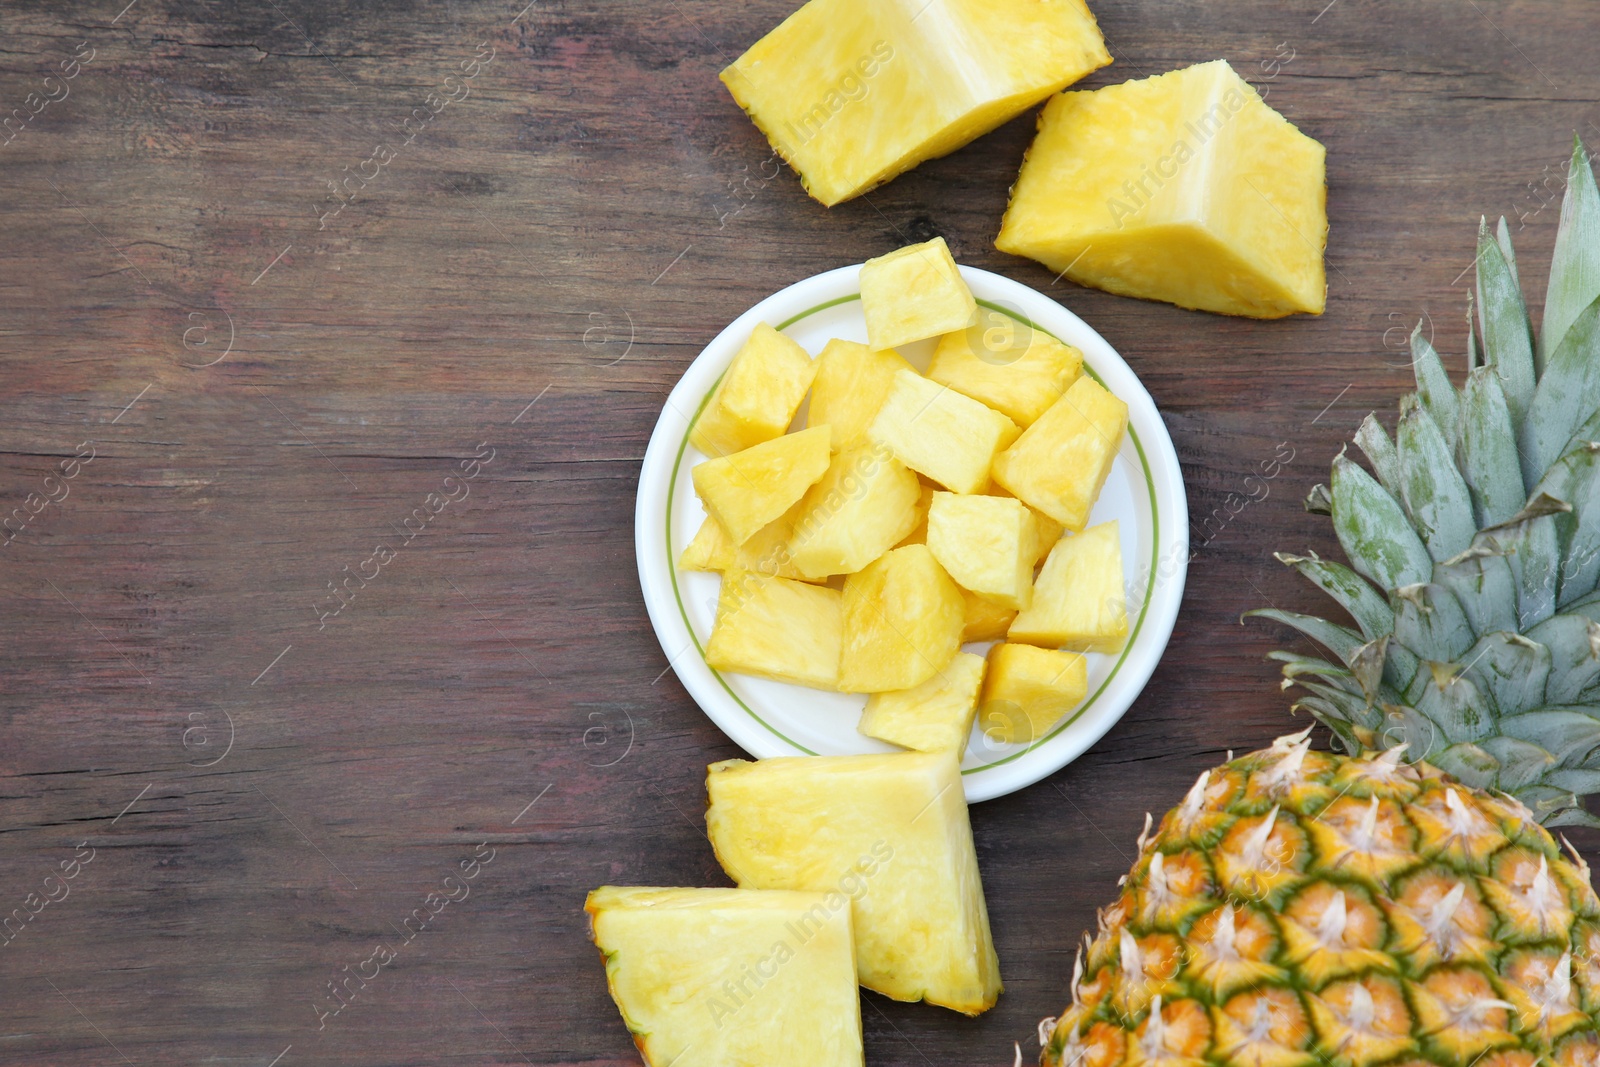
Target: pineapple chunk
[1046, 531]
[987, 544]
[766, 552]
[982, 620]
[1059, 463]
[749, 489]
[864, 504]
[902, 622]
[1015, 369]
[709, 977]
[1185, 187]
[919, 532]
[851, 383]
[710, 550]
[936, 431]
[935, 716]
[890, 832]
[1078, 601]
[777, 628]
[757, 397]
[913, 293]
[853, 94]
[1026, 691]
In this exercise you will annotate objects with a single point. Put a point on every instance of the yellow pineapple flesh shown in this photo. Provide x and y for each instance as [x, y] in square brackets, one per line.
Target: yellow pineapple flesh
[757, 397]
[986, 544]
[720, 977]
[936, 431]
[919, 532]
[767, 551]
[1026, 691]
[1184, 187]
[1079, 601]
[747, 490]
[1015, 369]
[852, 94]
[914, 293]
[935, 716]
[889, 833]
[902, 621]
[777, 628]
[851, 383]
[1060, 463]
[983, 620]
[864, 504]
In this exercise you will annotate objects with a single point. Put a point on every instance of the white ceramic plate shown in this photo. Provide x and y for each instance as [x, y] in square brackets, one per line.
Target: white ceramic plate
[767, 718]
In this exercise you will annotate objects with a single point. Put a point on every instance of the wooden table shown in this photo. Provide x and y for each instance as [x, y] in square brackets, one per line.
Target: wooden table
[270, 389]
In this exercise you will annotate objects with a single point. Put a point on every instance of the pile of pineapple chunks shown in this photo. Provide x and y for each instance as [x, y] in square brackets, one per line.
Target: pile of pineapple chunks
[914, 513]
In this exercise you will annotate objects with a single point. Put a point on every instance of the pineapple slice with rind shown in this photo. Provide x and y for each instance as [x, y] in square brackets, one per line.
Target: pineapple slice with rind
[914, 293]
[864, 504]
[1027, 690]
[757, 397]
[888, 831]
[935, 716]
[1078, 600]
[983, 620]
[767, 551]
[986, 544]
[936, 431]
[777, 628]
[851, 383]
[902, 622]
[749, 489]
[1060, 463]
[852, 94]
[1010, 366]
[1184, 187]
[711, 977]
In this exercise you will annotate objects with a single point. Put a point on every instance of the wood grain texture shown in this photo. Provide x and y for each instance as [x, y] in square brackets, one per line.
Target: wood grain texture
[565, 236]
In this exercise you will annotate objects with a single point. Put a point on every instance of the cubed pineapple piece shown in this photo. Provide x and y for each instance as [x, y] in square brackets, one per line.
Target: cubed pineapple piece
[913, 293]
[767, 551]
[1046, 530]
[935, 716]
[936, 431]
[1185, 187]
[711, 977]
[777, 628]
[711, 549]
[986, 544]
[1078, 599]
[852, 94]
[888, 831]
[919, 532]
[864, 504]
[1010, 366]
[1027, 690]
[749, 489]
[757, 397]
[983, 620]
[902, 622]
[1060, 463]
[851, 384]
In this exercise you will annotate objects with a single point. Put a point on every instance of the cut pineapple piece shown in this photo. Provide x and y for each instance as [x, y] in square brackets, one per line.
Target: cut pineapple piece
[902, 622]
[710, 550]
[851, 384]
[986, 543]
[935, 716]
[711, 977]
[913, 293]
[864, 504]
[1060, 463]
[1015, 369]
[749, 489]
[919, 532]
[1078, 601]
[936, 431]
[767, 551]
[1046, 531]
[1184, 187]
[852, 94]
[1026, 690]
[777, 628]
[757, 397]
[982, 620]
[888, 831]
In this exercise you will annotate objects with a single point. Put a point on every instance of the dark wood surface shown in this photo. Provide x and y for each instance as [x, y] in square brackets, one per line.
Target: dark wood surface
[569, 233]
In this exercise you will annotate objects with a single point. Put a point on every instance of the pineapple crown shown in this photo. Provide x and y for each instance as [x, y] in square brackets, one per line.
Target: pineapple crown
[1474, 545]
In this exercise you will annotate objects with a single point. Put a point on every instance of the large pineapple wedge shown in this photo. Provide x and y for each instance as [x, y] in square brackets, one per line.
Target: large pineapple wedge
[723, 977]
[890, 833]
[1184, 187]
[852, 94]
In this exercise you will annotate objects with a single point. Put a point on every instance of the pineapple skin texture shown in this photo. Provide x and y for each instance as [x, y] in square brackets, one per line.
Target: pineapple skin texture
[1184, 187]
[1308, 908]
[903, 618]
[757, 397]
[853, 94]
[890, 833]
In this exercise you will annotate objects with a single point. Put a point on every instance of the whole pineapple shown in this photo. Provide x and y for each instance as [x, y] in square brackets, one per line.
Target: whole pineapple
[1304, 908]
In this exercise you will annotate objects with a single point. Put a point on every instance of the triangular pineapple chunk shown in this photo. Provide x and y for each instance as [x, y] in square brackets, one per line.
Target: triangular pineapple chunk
[864, 504]
[902, 622]
[1027, 690]
[1079, 601]
[936, 716]
[1060, 463]
[914, 293]
[749, 489]
[725, 977]
[985, 543]
[888, 831]
[936, 431]
[757, 397]
[777, 628]
[1015, 369]
[850, 386]
[767, 551]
